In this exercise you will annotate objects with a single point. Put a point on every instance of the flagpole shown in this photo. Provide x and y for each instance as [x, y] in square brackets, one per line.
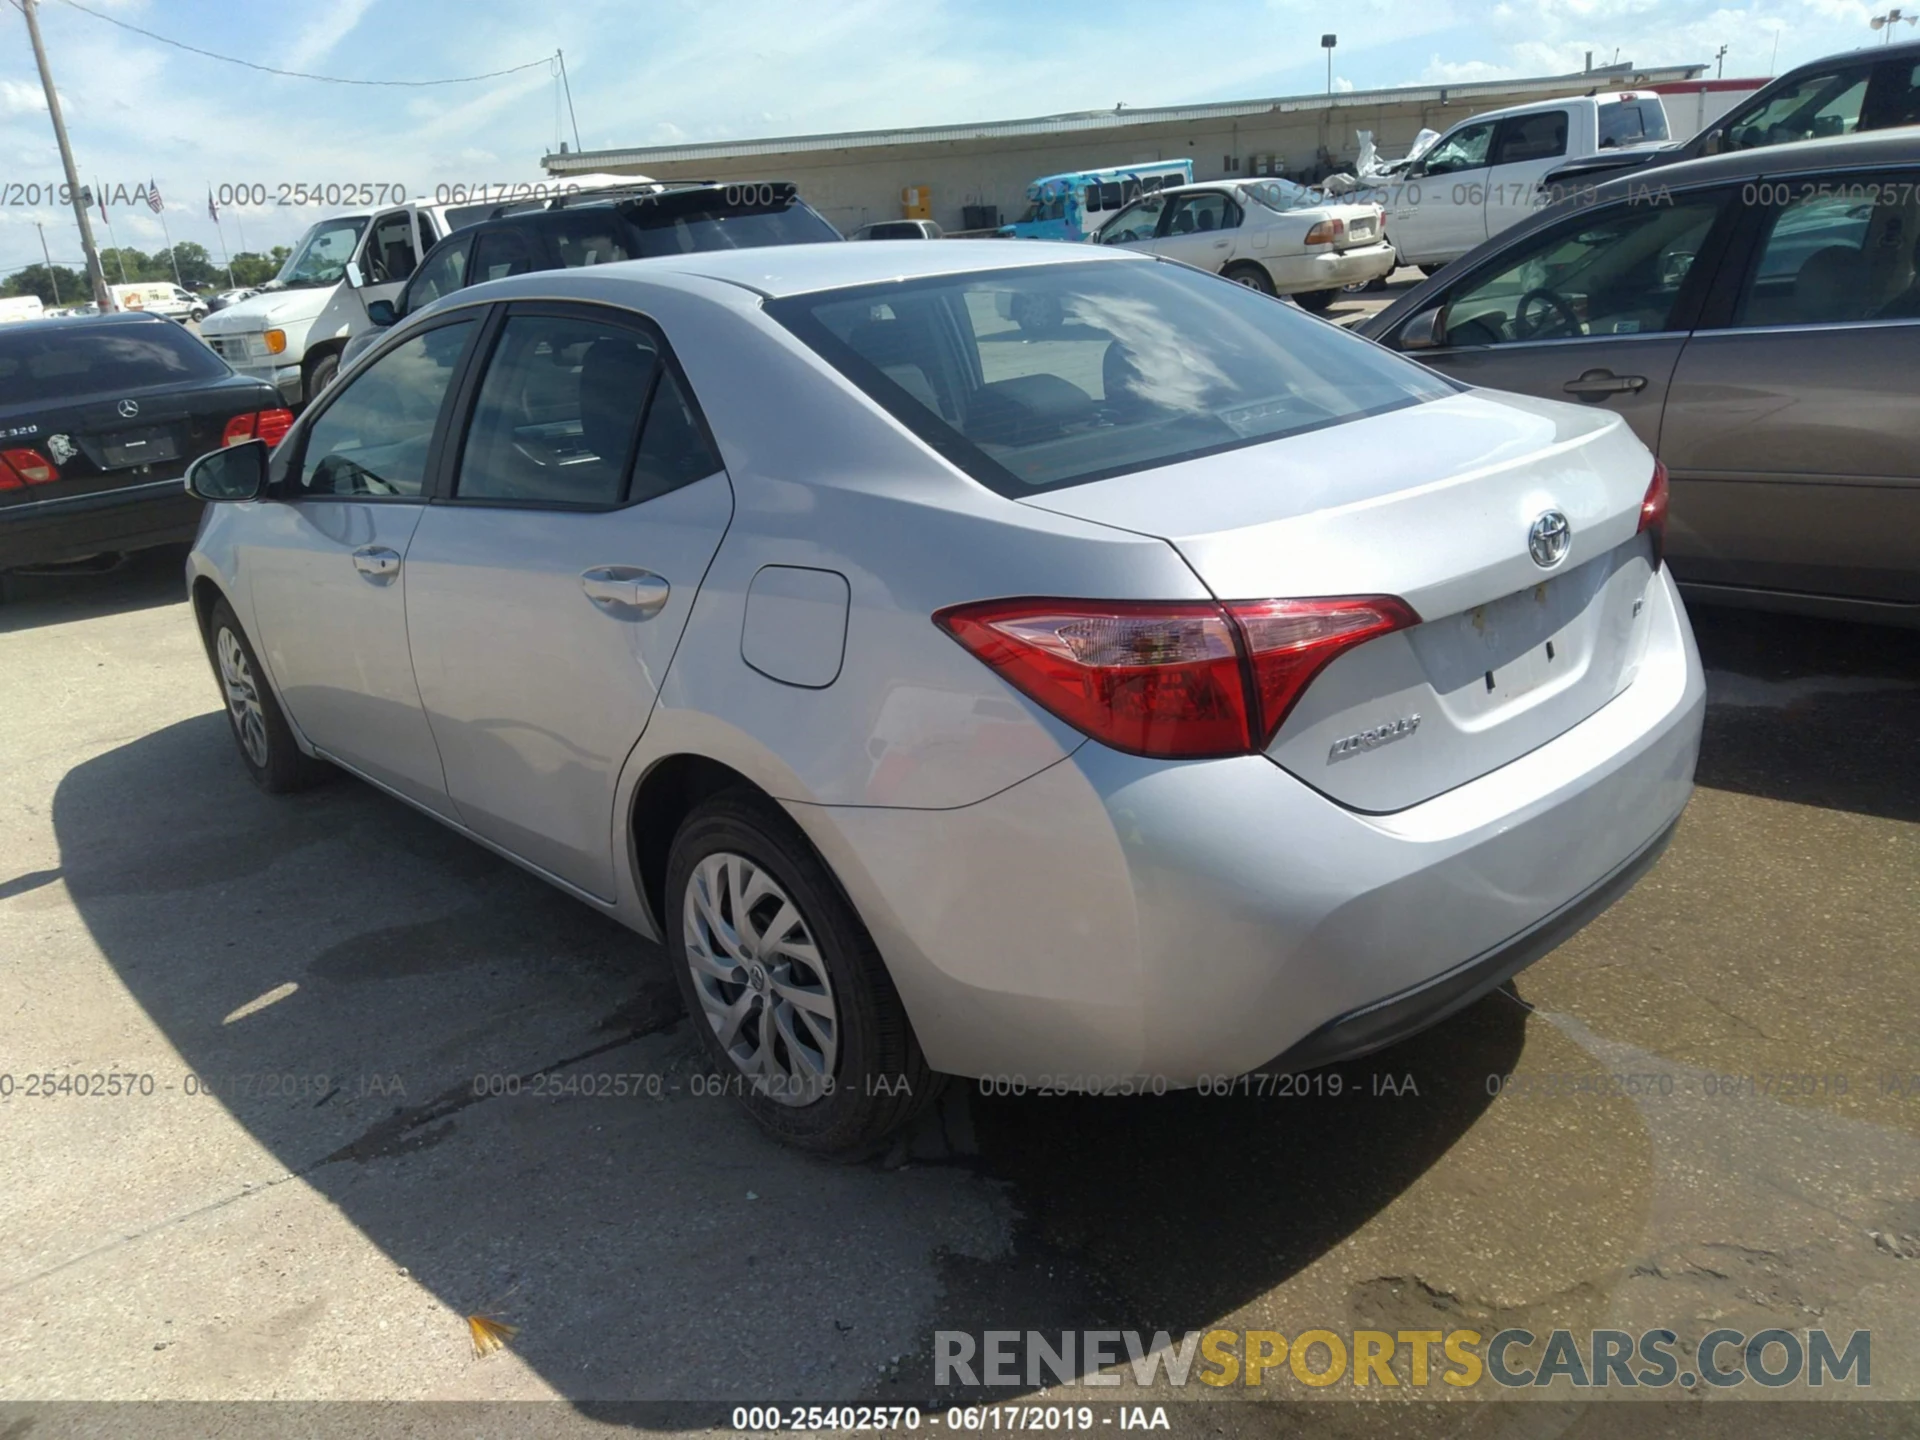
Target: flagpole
[226, 258]
[162, 213]
[118, 255]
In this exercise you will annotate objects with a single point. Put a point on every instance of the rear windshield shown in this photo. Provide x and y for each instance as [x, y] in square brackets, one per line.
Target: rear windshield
[731, 217]
[1629, 122]
[1055, 375]
[67, 361]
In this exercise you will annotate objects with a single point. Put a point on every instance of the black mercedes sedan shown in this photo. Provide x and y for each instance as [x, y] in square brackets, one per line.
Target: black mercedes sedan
[99, 417]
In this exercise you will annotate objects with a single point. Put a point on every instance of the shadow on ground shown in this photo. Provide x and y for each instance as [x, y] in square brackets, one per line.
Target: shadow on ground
[111, 587]
[413, 954]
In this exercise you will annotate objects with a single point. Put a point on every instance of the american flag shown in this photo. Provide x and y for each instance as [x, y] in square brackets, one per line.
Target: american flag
[153, 196]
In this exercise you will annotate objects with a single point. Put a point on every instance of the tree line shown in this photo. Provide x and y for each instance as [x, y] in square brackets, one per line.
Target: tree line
[199, 271]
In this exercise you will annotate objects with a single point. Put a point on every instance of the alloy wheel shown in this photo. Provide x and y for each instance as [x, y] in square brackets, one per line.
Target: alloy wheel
[760, 979]
[243, 696]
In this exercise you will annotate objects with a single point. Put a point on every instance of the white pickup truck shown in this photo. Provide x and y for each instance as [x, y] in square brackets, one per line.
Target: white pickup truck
[1484, 174]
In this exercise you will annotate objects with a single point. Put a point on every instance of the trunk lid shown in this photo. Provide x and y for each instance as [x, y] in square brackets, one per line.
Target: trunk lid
[1433, 504]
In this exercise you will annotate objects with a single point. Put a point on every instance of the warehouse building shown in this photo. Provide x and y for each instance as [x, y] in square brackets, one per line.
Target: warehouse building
[967, 176]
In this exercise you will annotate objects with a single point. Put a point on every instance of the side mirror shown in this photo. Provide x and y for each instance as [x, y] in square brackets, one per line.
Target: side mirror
[381, 312]
[238, 472]
[355, 276]
[1712, 143]
[1425, 331]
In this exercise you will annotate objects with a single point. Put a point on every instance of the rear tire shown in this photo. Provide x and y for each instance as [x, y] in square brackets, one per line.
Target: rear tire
[1254, 277]
[784, 987]
[260, 731]
[1318, 301]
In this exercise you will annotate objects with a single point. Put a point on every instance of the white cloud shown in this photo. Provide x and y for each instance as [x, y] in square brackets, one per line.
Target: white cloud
[337, 21]
[20, 98]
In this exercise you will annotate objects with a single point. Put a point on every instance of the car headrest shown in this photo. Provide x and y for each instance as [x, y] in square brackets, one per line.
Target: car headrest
[614, 375]
[1832, 285]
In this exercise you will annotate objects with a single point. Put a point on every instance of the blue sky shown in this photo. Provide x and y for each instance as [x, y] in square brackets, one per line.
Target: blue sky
[673, 70]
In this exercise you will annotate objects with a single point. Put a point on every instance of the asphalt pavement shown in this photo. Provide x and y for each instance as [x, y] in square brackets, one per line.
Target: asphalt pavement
[376, 1088]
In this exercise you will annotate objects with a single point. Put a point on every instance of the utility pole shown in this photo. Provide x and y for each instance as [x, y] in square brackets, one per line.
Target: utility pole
[52, 279]
[1719, 62]
[102, 296]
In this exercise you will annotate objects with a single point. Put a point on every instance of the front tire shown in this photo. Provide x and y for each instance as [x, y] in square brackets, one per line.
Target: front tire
[783, 985]
[1318, 301]
[320, 375]
[260, 731]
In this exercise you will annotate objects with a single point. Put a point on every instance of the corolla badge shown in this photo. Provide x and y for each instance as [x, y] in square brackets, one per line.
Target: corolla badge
[1384, 733]
[128, 408]
[1549, 539]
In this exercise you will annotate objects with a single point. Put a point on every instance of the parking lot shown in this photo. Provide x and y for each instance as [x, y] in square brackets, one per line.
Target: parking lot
[1713, 1116]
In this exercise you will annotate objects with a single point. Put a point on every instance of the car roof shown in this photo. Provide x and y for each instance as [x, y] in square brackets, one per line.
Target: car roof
[111, 317]
[778, 270]
[1899, 145]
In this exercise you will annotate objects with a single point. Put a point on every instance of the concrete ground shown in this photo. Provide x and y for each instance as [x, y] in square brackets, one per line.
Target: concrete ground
[301, 1196]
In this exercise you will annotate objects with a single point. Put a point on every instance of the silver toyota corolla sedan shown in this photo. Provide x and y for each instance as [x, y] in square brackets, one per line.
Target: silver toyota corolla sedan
[982, 658]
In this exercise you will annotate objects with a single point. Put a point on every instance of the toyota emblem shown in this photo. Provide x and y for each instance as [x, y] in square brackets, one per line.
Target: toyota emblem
[128, 408]
[1549, 539]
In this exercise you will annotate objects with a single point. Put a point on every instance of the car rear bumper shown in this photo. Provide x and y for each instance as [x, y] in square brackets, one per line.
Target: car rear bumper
[1293, 274]
[129, 517]
[1119, 917]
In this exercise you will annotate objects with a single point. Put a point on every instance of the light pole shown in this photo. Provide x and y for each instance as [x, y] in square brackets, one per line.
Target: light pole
[1327, 42]
[1719, 62]
[101, 295]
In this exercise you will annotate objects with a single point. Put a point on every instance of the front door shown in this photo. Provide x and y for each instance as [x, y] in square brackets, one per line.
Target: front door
[548, 590]
[327, 565]
[1792, 431]
[1595, 310]
[1440, 212]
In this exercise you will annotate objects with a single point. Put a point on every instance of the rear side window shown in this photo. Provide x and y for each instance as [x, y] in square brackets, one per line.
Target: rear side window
[1533, 137]
[588, 239]
[93, 359]
[1630, 122]
[566, 404]
[1838, 257]
[1055, 375]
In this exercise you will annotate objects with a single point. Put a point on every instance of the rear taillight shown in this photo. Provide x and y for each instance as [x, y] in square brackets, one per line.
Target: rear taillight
[1178, 680]
[1653, 513]
[272, 426]
[268, 425]
[25, 467]
[1326, 232]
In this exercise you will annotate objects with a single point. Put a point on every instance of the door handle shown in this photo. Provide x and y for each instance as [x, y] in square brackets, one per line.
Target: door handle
[1605, 382]
[377, 561]
[625, 590]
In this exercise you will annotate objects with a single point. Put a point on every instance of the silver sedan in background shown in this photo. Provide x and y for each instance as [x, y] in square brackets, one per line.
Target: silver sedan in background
[986, 658]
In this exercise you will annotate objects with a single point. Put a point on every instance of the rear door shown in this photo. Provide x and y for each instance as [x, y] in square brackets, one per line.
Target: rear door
[1198, 229]
[1524, 148]
[1792, 432]
[548, 589]
[325, 560]
[1595, 309]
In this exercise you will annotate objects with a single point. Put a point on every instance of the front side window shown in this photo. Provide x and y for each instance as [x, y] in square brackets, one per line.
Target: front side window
[443, 273]
[1833, 258]
[1139, 221]
[374, 438]
[321, 256]
[1117, 366]
[1811, 109]
[1465, 149]
[1616, 271]
[566, 403]
[1532, 137]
